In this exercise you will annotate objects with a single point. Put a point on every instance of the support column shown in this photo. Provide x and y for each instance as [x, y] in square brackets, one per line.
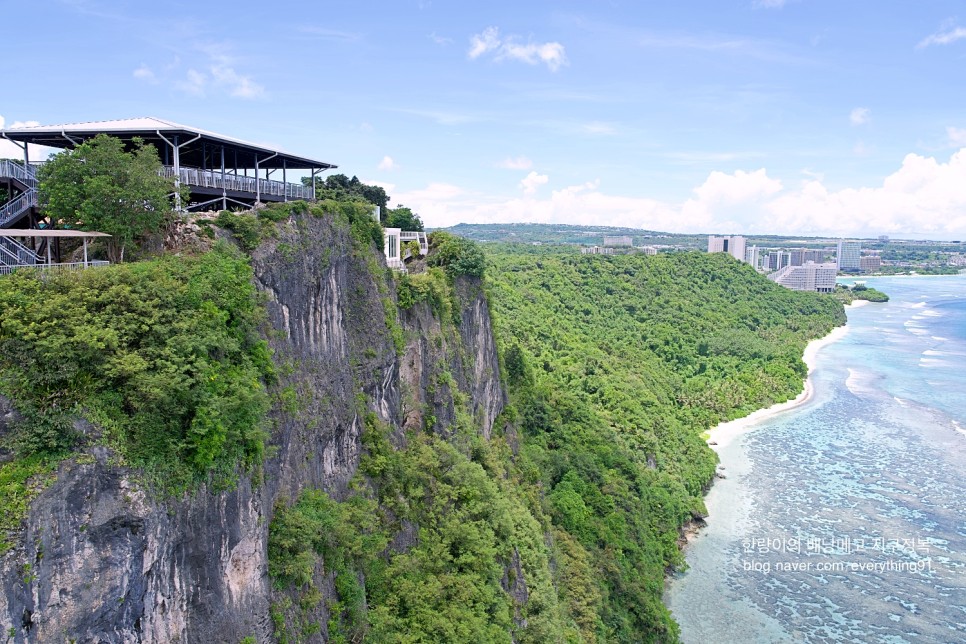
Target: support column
[284, 182]
[258, 185]
[224, 193]
[177, 174]
[85, 252]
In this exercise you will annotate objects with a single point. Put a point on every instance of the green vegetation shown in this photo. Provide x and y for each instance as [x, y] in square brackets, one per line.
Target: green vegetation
[616, 365]
[164, 355]
[339, 187]
[860, 291]
[404, 218]
[467, 524]
[251, 227]
[457, 255]
[20, 481]
[99, 186]
[432, 287]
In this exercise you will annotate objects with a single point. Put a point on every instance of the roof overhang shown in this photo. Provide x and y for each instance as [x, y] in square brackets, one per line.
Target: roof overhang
[200, 148]
[48, 232]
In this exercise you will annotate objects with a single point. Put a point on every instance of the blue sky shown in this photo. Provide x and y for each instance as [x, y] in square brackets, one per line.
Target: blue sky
[814, 117]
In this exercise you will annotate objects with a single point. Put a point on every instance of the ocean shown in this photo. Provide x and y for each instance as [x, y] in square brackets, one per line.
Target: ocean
[844, 519]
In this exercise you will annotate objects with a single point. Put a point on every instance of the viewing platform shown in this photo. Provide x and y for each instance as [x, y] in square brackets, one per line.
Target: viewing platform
[219, 171]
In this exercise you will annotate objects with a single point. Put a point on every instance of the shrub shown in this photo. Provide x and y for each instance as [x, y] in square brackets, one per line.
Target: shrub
[165, 355]
[457, 255]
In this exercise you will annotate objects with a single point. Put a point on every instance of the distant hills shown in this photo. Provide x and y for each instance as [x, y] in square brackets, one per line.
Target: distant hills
[594, 235]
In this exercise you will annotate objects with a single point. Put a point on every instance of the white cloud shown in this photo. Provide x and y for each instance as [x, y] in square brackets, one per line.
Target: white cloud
[770, 4]
[237, 85]
[599, 128]
[943, 37]
[324, 33]
[924, 197]
[515, 163]
[8, 150]
[484, 42]
[860, 116]
[440, 40]
[552, 54]
[388, 187]
[145, 73]
[194, 83]
[532, 181]
[216, 75]
[957, 136]
[387, 163]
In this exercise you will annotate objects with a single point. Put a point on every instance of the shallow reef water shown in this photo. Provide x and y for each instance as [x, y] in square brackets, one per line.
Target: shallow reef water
[844, 520]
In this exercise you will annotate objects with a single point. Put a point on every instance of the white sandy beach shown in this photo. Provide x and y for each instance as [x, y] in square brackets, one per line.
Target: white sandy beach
[724, 433]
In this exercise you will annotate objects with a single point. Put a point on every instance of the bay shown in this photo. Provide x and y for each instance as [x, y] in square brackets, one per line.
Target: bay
[844, 519]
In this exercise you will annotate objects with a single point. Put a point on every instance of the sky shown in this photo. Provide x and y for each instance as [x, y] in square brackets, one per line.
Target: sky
[799, 117]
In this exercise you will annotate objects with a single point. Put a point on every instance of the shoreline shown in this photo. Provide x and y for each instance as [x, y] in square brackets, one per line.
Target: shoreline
[723, 433]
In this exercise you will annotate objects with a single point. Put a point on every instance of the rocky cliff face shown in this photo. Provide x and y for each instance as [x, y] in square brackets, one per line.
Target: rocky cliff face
[102, 559]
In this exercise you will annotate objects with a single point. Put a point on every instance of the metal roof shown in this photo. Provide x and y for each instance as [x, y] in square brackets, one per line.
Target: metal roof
[154, 130]
[48, 232]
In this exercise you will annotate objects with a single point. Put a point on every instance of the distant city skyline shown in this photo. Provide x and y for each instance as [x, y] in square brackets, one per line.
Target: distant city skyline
[751, 117]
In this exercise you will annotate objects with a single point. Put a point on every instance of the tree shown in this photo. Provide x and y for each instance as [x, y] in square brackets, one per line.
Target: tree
[404, 218]
[100, 186]
[341, 188]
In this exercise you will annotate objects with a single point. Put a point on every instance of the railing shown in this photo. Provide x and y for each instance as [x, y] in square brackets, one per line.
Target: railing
[11, 211]
[416, 236]
[213, 179]
[67, 266]
[13, 252]
[396, 264]
[26, 175]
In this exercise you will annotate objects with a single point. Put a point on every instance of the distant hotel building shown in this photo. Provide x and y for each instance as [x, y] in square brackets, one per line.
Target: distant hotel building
[753, 257]
[649, 250]
[612, 241]
[734, 246]
[810, 277]
[848, 255]
[597, 250]
[801, 256]
[777, 259]
[870, 263]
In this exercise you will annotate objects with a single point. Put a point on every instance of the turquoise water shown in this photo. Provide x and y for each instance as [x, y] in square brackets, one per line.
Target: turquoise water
[844, 520]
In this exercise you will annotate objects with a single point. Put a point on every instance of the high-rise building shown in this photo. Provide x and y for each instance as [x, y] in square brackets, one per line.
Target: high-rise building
[733, 245]
[817, 256]
[848, 255]
[797, 256]
[810, 277]
[752, 257]
[777, 259]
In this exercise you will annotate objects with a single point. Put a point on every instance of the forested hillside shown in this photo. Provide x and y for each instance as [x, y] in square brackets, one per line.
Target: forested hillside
[616, 365]
[329, 450]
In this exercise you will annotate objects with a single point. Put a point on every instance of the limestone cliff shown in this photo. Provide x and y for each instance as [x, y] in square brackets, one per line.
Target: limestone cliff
[103, 559]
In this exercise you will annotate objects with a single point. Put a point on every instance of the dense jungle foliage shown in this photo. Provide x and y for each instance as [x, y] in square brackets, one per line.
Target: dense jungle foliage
[165, 357]
[616, 365]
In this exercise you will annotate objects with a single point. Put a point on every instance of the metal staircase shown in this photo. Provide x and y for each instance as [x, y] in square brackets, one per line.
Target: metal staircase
[24, 178]
[13, 253]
